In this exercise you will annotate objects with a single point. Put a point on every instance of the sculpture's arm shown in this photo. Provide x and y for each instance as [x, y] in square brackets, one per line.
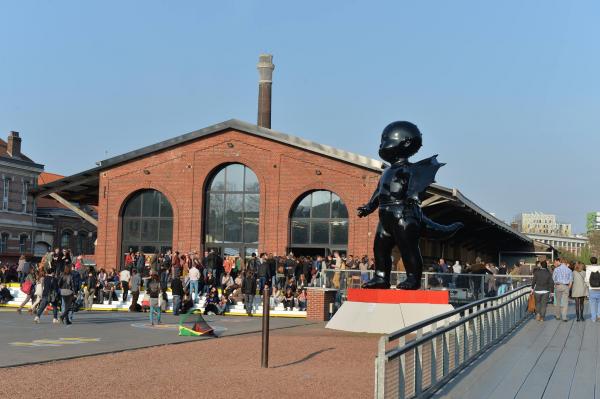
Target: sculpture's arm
[370, 206]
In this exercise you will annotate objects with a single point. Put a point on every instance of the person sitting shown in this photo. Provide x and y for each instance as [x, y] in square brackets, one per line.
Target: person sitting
[291, 284]
[227, 283]
[302, 300]
[212, 302]
[288, 300]
[5, 295]
[187, 303]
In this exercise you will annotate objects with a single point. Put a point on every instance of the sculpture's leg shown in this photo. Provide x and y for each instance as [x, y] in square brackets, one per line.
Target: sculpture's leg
[408, 233]
[384, 243]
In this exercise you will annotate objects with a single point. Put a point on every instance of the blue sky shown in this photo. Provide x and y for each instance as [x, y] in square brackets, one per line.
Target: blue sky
[508, 93]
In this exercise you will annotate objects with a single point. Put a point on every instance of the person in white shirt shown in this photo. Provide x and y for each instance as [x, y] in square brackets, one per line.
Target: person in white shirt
[194, 276]
[457, 268]
[124, 278]
[593, 287]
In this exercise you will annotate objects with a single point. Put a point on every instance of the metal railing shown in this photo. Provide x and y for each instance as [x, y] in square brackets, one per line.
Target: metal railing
[464, 288]
[416, 361]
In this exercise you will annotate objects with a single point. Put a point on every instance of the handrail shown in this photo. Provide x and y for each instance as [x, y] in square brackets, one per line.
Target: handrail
[418, 366]
[400, 351]
[412, 328]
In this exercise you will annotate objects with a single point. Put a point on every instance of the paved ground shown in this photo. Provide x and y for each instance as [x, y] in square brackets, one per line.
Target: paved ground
[552, 359]
[23, 342]
[306, 361]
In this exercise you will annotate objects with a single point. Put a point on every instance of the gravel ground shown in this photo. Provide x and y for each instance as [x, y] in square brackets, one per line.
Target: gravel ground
[307, 361]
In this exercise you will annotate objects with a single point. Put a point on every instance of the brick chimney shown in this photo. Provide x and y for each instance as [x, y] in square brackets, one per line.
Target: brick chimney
[265, 72]
[13, 147]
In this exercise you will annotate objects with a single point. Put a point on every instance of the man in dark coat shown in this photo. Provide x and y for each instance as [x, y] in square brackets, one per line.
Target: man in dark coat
[249, 290]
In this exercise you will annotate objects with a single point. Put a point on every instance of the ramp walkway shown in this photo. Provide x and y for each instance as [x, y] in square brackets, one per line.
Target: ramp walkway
[550, 359]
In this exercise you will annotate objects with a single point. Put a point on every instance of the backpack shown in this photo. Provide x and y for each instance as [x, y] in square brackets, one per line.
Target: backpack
[595, 279]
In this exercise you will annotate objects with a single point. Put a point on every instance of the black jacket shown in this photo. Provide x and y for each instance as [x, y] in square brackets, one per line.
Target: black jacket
[177, 287]
[542, 280]
[249, 286]
[263, 269]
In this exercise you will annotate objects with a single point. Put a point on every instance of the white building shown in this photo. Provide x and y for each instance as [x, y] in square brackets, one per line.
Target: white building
[572, 244]
[542, 223]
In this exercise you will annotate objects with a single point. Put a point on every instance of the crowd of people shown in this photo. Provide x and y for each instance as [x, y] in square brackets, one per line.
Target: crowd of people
[563, 281]
[65, 287]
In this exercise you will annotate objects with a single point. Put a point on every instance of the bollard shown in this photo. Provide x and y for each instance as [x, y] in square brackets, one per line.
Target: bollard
[264, 362]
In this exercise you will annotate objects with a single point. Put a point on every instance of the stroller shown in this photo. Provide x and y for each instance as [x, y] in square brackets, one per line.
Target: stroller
[79, 302]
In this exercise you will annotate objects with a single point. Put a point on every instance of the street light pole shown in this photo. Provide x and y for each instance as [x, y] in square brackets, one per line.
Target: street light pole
[265, 328]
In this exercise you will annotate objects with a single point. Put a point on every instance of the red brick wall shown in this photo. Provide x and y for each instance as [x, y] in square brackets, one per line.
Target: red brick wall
[284, 173]
[318, 301]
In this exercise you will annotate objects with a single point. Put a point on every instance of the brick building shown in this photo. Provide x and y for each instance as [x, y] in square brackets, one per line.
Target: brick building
[241, 188]
[28, 225]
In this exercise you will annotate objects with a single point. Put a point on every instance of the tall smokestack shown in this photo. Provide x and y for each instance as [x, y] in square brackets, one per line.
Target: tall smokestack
[265, 81]
[13, 146]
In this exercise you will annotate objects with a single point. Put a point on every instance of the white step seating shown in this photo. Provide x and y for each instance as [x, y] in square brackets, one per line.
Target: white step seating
[237, 309]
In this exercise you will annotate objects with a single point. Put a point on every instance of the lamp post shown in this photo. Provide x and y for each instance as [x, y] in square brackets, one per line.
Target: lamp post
[264, 362]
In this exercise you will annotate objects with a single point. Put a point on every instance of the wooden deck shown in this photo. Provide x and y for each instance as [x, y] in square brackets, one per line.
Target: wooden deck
[553, 359]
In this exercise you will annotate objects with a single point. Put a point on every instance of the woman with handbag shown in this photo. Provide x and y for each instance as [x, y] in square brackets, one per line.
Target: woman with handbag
[65, 285]
[579, 290]
[541, 286]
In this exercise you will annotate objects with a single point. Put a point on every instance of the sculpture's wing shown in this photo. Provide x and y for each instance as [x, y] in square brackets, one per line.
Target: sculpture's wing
[423, 175]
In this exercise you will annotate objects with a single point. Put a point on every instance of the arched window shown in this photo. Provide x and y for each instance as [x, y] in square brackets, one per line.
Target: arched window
[319, 220]
[82, 237]
[147, 223]
[65, 239]
[232, 210]
[41, 248]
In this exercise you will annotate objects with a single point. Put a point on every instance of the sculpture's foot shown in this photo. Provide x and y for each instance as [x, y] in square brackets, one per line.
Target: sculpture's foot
[377, 282]
[411, 283]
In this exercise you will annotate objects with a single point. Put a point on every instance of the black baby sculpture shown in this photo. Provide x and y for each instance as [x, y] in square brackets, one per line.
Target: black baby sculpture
[401, 220]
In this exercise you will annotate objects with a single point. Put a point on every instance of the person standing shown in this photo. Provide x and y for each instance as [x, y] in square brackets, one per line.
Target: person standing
[563, 280]
[249, 290]
[592, 278]
[263, 271]
[194, 276]
[153, 292]
[177, 291]
[134, 284]
[541, 286]
[124, 277]
[48, 291]
[65, 285]
[91, 284]
[579, 291]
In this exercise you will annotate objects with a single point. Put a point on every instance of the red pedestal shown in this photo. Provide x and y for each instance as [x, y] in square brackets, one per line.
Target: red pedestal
[398, 296]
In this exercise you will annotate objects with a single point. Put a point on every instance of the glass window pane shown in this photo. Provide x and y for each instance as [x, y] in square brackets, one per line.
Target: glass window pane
[133, 206]
[303, 208]
[338, 209]
[251, 184]
[339, 233]
[149, 230]
[131, 229]
[149, 249]
[215, 215]
[251, 203]
[299, 232]
[165, 233]
[319, 233]
[218, 182]
[165, 207]
[150, 203]
[320, 204]
[235, 177]
[233, 217]
[250, 230]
